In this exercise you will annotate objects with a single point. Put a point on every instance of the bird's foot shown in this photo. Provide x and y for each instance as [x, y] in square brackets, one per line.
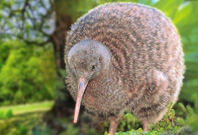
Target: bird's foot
[113, 120]
[146, 126]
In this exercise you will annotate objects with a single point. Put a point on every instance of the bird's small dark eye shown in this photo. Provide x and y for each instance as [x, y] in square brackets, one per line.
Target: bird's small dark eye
[93, 67]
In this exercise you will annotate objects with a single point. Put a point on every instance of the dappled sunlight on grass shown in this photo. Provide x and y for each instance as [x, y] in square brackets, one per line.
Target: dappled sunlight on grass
[20, 124]
[24, 119]
[21, 109]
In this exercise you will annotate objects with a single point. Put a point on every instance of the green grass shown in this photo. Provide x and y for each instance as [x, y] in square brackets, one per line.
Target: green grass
[28, 108]
[27, 120]
[20, 124]
[24, 118]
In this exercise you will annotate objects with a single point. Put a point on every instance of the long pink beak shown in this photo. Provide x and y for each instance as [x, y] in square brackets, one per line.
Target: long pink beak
[81, 90]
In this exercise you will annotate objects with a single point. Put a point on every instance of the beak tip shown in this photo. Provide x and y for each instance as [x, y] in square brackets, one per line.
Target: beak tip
[75, 120]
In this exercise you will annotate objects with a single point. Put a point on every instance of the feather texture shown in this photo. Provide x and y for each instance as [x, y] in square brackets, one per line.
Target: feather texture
[147, 64]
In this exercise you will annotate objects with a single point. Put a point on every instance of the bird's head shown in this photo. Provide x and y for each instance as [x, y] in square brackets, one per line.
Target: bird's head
[86, 60]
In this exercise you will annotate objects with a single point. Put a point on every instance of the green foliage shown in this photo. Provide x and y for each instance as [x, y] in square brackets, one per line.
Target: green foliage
[20, 119]
[128, 122]
[21, 124]
[41, 129]
[4, 53]
[140, 132]
[181, 120]
[27, 74]
[70, 130]
[6, 114]
[169, 123]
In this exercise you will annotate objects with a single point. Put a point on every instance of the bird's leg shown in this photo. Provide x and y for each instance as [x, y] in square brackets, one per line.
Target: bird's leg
[113, 120]
[146, 126]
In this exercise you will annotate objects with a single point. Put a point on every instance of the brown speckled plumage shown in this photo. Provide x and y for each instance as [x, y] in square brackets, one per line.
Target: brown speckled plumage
[140, 60]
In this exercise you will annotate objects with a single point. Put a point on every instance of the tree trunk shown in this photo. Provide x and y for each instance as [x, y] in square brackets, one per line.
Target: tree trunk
[64, 104]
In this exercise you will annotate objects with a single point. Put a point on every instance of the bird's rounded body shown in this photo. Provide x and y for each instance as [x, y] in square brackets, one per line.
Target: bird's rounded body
[147, 63]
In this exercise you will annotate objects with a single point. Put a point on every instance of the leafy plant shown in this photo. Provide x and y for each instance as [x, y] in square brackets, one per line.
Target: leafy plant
[6, 114]
[28, 74]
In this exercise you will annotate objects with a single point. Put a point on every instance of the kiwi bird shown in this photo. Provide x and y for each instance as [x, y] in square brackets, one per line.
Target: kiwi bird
[124, 57]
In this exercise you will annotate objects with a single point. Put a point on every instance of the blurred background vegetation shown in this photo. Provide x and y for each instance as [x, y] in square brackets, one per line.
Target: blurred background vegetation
[33, 97]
